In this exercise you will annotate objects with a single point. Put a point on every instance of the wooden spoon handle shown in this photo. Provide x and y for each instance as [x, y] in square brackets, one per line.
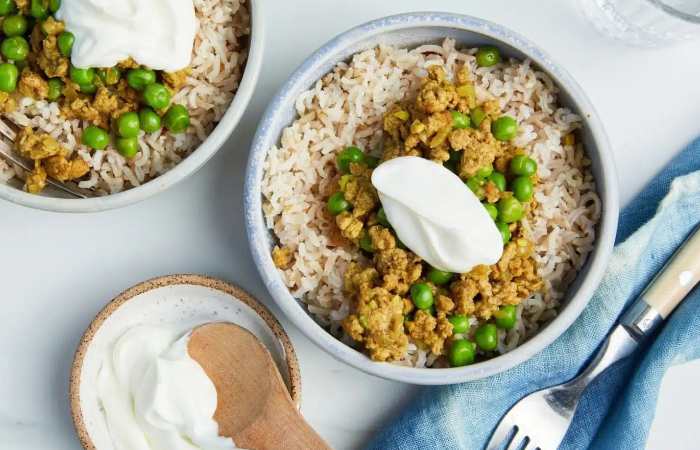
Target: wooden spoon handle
[677, 278]
[280, 428]
[254, 406]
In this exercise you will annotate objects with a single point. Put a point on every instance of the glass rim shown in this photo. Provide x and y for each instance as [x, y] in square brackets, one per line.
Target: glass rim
[675, 12]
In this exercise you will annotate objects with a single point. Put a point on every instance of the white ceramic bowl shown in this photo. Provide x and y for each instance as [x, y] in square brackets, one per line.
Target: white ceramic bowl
[410, 30]
[187, 166]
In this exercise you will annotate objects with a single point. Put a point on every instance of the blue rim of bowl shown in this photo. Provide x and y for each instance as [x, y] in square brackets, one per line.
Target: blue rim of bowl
[188, 166]
[258, 234]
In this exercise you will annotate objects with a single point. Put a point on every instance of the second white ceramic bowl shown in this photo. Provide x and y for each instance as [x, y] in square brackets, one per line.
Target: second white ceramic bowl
[410, 30]
[187, 166]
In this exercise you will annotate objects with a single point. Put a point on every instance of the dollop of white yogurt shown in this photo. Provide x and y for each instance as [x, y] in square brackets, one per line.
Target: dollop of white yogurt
[158, 34]
[155, 396]
[436, 215]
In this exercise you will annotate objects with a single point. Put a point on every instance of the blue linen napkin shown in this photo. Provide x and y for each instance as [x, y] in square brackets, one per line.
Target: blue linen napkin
[618, 407]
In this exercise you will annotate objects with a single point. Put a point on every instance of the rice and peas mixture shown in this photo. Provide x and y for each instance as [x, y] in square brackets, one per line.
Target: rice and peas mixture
[52, 115]
[348, 107]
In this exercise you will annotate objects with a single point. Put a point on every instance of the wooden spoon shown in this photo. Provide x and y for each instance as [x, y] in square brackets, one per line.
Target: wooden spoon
[254, 407]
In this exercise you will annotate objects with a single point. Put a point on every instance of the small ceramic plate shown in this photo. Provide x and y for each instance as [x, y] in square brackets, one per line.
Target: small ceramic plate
[186, 299]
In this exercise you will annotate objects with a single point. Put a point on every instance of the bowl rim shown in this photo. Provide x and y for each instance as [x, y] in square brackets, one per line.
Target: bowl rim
[257, 230]
[189, 165]
[291, 361]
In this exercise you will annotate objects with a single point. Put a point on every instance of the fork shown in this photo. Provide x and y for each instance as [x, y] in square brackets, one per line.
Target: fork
[26, 164]
[540, 420]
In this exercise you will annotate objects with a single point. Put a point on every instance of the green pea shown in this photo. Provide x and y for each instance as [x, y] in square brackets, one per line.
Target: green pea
[6, 7]
[128, 125]
[439, 277]
[485, 172]
[522, 188]
[462, 353]
[350, 155]
[382, 219]
[156, 96]
[505, 317]
[366, 243]
[453, 163]
[488, 56]
[486, 337]
[127, 146]
[460, 120]
[372, 161]
[510, 209]
[337, 203]
[177, 119]
[504, 128]
[477, 115]
[492, 210]
[54, 5]
[83, 77]
[88, 88]
[140, 78]
[475, 184]
[460, 323]
[109, 76]
[8, 77]
[39, 9]
[498, 179]
[523, 165]
[505, 231]
[21, 65]
[15, 25]
[65, 43]
[150, 121]
[422, 296]
[55, 89]
[15, 48]
[95, 137]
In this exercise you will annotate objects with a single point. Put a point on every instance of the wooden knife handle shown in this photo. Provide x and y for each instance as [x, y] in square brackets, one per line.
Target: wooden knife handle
[677, 278]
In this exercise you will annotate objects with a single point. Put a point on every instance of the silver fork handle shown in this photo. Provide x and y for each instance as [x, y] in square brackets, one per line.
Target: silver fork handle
[672, 284]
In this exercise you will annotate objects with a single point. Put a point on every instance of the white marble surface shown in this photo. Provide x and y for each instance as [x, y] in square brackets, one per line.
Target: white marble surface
[59, 270]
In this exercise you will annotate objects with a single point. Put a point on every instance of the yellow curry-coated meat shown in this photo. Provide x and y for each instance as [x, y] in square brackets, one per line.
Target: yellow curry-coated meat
[377, 320]
[7, 102]
[176, 80]
[36, 180]
[282, 257]
[49, 157]
[31, 84]
[431, 331]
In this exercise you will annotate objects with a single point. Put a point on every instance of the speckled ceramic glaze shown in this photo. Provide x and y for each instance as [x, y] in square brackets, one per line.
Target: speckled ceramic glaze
[188, 300]
[188, 166]
[410, 30]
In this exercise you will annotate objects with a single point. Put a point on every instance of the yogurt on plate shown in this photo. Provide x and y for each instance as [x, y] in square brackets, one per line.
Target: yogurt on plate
[154, 396]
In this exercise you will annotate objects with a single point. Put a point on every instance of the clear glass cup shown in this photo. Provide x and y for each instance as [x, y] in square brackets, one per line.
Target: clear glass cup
[645, 22]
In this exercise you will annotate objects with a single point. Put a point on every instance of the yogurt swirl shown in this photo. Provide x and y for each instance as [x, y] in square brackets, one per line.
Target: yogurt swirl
[436, 215]
[158, 34]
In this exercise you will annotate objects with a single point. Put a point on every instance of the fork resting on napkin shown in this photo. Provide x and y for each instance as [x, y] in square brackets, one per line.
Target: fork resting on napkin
[618, 407]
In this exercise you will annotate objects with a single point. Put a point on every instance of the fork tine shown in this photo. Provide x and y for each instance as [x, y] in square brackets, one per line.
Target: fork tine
[530, 446]
[517, 441]
[500, 435]
[6, 130]
[7, 152]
